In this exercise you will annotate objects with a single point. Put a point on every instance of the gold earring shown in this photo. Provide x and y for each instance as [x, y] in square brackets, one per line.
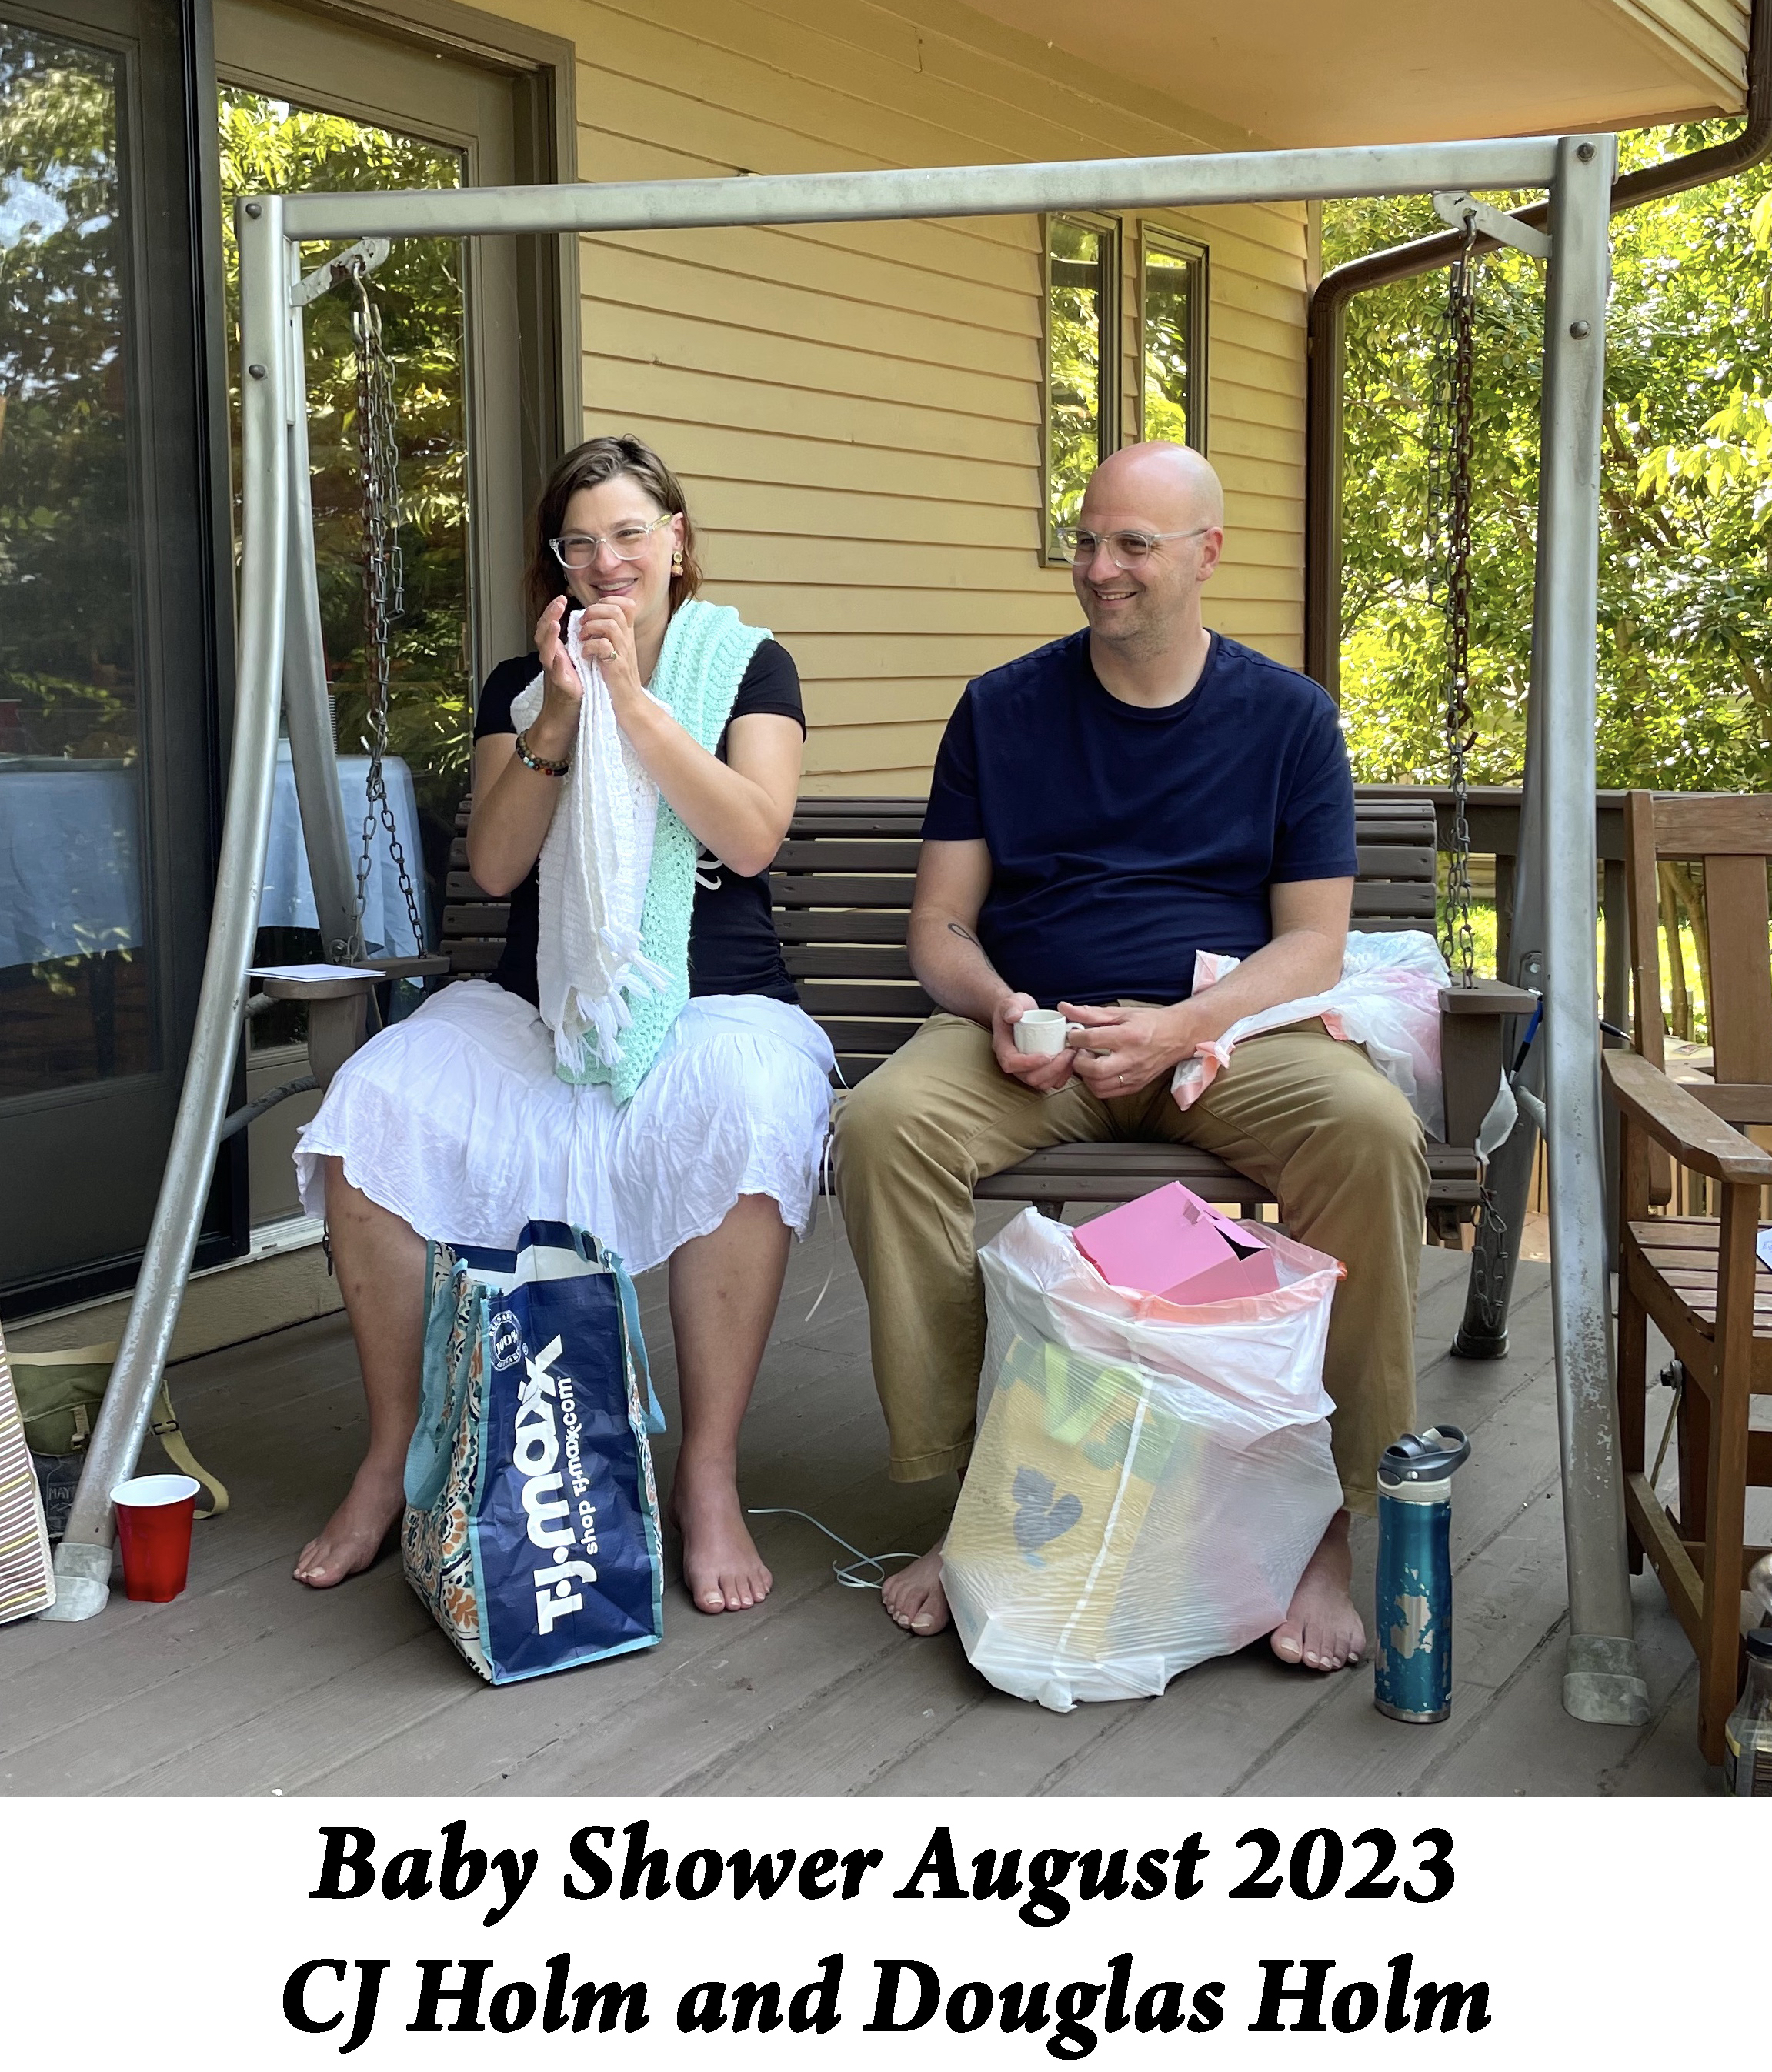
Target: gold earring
[676, 564]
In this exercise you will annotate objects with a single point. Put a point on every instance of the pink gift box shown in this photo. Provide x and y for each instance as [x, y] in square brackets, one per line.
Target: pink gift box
[1172, 1244]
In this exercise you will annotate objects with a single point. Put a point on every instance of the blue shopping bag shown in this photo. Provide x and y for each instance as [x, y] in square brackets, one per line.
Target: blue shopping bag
[532, 1513]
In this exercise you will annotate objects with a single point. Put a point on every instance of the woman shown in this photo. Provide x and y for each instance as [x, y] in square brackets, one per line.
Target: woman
[476, 1114]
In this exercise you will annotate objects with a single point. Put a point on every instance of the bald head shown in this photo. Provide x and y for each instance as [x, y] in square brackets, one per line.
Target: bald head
[1171, 488]
[1150, 529]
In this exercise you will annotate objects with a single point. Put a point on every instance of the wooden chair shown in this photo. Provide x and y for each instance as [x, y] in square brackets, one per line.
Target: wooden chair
[841, 886]
[1698, 1278]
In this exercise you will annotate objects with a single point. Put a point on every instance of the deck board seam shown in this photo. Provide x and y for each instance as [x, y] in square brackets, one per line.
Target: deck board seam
[1331, 1685]
[1470, 1720]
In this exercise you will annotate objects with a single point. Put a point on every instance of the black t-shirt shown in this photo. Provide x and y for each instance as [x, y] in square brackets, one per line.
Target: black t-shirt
[733, 943]
[1122, 838]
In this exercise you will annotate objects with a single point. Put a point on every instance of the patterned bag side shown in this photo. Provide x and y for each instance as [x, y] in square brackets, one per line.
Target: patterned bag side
[444, 1465]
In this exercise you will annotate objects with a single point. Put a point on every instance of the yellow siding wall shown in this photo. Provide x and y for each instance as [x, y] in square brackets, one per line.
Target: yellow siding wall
[856, 410]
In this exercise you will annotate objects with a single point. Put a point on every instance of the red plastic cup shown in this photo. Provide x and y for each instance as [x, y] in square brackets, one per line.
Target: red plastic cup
[153, 1515]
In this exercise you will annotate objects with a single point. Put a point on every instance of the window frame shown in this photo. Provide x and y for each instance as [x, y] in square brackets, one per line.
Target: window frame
[1198, 258]
[1111, 230]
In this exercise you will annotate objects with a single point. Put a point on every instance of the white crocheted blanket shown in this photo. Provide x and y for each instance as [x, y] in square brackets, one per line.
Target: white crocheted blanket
[595, 866]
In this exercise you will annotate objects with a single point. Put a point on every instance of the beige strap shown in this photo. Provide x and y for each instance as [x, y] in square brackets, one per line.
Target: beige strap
[166, 1422]
[165, 1430]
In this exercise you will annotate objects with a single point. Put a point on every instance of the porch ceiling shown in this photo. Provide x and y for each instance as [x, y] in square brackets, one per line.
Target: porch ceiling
[1297, 72]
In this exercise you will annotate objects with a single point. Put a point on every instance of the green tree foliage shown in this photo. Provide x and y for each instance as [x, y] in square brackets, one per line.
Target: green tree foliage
[1169, 288]
[1075, 265]
[67, 618]
[1685, 645]
[267, 146]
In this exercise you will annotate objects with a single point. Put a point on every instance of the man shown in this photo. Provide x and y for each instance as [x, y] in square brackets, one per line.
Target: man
[1101, 810]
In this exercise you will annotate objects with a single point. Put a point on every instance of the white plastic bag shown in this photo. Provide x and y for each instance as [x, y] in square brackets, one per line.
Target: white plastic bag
[1148, 1481]
[1387, 1001]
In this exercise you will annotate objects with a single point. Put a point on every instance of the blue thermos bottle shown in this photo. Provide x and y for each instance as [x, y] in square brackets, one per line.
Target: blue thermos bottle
[1412, 1671]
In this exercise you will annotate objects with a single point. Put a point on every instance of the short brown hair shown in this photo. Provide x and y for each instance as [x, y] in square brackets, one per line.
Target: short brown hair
[602, 460]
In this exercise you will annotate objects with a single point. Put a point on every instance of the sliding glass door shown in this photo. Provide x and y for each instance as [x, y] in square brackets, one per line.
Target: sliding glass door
[108, 660]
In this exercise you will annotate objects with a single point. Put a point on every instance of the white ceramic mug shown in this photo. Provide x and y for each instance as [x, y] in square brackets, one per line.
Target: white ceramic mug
[1041, 1031]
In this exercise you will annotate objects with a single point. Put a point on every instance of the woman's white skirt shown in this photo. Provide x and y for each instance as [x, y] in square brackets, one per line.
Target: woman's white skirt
[455, 1121]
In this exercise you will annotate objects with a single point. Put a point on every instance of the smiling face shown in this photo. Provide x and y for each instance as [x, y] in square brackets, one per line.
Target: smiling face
[1154, 488]
[600, 511]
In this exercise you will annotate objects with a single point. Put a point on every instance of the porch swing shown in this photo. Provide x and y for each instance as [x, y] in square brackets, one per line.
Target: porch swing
[341, 995]
[842, 881]
[842, 888]
[1470, 1059]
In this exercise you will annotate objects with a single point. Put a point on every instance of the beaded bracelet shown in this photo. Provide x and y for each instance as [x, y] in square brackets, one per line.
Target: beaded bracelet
[540, 764]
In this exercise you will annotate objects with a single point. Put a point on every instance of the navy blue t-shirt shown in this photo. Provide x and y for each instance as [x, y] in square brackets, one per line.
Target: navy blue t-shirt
[1124, 838]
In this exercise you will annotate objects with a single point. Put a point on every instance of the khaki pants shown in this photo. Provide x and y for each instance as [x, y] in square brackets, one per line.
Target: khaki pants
[1308, 1118]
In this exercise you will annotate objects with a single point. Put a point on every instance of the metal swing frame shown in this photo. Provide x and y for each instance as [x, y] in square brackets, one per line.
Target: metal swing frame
[280, 651]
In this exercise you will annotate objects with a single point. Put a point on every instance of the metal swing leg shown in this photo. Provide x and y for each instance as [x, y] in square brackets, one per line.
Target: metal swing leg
[83, 1560]
[1602, 1680]
[280, 641]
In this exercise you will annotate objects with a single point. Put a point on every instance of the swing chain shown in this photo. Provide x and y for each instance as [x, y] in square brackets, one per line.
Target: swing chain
[1449, 487]
[384, 580]
[1491, 1231]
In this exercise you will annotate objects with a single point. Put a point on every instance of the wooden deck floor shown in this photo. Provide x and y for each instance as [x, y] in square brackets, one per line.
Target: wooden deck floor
[251, 1683]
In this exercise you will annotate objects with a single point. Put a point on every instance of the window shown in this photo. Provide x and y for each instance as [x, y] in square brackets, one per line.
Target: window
[1172, 357]
[1082, 385]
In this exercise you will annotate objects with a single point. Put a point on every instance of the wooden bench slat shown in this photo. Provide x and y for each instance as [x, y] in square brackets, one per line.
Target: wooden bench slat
[816, 889]
[1412, 862]
[1416, 902]
[836, 852]
[807, 827]
[474, 955]
[1403, 903]
[820, 998]
[481, 917]
[871, 960]
[1368, 801]
[1225, 1187]
[875, 1037]
[863, 802]
[854, 925]
[1122, 1172]
[1446, 1161]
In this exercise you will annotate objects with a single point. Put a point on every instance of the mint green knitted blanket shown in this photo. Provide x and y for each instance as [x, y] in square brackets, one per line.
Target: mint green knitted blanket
[707, 649]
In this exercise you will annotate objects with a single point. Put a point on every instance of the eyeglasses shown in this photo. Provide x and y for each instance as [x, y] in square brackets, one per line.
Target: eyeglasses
[1125, 550]
[627, 543]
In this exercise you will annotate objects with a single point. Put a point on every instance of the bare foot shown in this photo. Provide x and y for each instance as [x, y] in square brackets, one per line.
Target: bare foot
[722, 1570]
[1322, 1630]
[352, 1538]
[914, 1597]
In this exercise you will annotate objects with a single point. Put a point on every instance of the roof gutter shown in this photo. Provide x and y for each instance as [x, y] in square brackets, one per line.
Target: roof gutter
[1326, 335]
